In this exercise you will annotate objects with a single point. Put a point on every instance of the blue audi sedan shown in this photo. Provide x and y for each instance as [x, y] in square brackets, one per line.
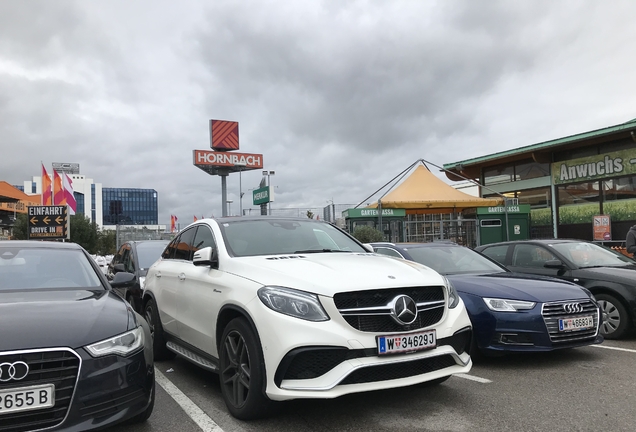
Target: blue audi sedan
[510, 312]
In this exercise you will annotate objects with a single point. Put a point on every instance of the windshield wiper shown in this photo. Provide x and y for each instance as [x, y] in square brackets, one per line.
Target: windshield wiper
[319, 250]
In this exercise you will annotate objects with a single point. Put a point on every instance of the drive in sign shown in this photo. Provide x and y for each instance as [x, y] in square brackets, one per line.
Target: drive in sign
[47, 222]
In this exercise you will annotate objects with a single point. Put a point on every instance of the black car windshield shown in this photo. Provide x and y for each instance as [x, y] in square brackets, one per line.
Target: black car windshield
[44, 268]
[449, 260]
[279, 236]
[583, 254]
[149, 252]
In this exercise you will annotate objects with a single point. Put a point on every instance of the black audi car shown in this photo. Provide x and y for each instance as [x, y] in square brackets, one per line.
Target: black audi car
[609, 275]
[74, 356]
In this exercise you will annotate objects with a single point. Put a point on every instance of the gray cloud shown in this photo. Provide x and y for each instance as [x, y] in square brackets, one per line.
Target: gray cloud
[338, 96]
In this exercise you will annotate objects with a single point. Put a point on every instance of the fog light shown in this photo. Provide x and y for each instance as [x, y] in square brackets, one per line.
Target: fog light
[514, 339]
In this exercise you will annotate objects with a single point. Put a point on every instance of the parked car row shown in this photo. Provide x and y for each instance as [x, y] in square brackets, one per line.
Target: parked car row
[280, 308]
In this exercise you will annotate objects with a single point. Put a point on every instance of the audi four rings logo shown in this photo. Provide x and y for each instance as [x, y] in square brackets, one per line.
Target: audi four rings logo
[573, 307]
[13, 371]
[404, 310]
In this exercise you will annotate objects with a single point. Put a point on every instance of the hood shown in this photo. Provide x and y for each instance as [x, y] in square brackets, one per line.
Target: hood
[60, 318]
[625, 275]
[329, 273]
[517, 287]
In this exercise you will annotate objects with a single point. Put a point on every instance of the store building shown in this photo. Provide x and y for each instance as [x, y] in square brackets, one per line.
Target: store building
[568, 182]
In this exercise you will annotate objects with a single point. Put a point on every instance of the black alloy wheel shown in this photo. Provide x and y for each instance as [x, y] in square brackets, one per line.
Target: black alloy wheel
[159, 349]
[242, 372]
[615, 320]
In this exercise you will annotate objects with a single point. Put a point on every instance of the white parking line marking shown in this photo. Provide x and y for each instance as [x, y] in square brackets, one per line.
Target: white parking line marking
[473, 378]
[191, 409]
[614, 348]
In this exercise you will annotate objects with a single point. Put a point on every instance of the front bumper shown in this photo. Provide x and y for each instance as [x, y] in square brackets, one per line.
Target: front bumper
[354, 365]
[90, 393]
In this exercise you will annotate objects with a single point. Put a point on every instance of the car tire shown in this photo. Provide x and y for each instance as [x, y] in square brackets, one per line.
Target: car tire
[242, 372]
[159, 349]
[142, 417]
[615, 318]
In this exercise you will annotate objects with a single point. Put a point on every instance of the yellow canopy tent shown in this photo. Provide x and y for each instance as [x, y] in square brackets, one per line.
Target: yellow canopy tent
[423, 192]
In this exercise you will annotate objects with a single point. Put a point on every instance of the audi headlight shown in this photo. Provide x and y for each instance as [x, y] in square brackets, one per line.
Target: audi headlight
[298, 304]
[124, 344]
[507, 305]
[453, 297]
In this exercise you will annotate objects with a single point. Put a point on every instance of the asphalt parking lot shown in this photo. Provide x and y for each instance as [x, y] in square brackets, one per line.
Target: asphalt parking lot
[583, 389]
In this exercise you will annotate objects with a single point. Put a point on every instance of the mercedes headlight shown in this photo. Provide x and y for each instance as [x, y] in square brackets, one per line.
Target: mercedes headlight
[453, 297]
[123, 345]
[507, 305]
[298, 304]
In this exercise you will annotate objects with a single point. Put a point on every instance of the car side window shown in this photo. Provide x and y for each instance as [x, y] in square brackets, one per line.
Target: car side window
[127, 260]
[497, 253]
[526, 255]
[168, 253]
[184, 246]
[388, 251]
[203, 238]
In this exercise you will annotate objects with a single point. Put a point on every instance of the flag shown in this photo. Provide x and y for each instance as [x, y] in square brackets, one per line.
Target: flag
[195, 218]
[173, 223]
[47, 197]
[68, 194]
[59, 197]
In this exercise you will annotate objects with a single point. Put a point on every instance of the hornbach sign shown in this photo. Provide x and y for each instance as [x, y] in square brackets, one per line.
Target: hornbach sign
[47, 222]
[614, 164]
[360, 213]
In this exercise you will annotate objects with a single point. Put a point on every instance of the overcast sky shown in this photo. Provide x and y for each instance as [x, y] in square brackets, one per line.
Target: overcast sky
[339, 96]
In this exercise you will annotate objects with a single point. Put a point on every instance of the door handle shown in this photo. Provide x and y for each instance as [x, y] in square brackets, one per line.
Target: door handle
[182, 276]
[158, 274]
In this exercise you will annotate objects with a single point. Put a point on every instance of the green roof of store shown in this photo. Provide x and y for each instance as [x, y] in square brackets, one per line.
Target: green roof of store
[547, 144]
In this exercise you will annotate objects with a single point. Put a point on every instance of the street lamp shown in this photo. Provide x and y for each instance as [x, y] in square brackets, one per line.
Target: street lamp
[229, 207]
[241, 167]
[269, 204]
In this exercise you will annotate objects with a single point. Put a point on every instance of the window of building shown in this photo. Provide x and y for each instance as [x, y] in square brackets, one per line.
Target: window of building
[498, 174]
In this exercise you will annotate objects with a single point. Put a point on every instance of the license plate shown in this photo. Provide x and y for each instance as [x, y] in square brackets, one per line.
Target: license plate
[27, 398]
[578, 323]
[406, 342]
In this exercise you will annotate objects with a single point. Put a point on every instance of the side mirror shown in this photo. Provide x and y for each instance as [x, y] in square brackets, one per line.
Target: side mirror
[119, 267]
[555, 264]
[368, 247]
[206, 257]
[123, 280]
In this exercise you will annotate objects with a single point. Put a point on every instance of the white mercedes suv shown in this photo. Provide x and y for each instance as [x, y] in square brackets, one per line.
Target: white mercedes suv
[296, 308]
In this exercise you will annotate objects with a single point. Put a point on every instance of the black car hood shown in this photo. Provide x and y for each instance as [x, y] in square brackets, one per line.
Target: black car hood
[60, 318]
[625, 274]
[516, 286]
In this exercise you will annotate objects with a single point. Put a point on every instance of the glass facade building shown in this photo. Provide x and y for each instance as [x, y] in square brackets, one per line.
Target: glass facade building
[124, 206]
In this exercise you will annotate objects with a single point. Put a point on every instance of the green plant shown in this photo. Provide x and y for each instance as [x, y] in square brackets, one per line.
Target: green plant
[368, 234]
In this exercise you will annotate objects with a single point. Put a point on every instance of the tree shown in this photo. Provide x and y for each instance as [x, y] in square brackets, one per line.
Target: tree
[368, 234]
[84, 232]
[106, 242]
[20, 227]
